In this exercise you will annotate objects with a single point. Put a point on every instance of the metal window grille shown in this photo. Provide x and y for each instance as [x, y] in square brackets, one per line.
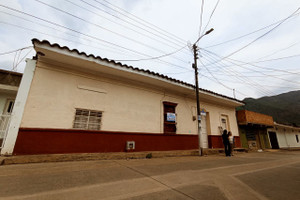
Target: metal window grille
[87, 119]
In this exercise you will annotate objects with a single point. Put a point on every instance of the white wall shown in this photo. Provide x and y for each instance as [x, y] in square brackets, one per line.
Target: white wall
[55, 94]
[287, 137]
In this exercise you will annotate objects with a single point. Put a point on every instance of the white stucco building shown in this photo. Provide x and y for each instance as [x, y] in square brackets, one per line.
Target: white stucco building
[9, 84]
[71, 102]
[284, 137]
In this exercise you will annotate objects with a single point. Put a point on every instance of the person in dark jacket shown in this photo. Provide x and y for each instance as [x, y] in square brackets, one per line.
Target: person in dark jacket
[225, 138]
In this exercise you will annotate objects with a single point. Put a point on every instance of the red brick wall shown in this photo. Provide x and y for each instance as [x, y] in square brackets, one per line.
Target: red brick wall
[245, 116]
[56, 141]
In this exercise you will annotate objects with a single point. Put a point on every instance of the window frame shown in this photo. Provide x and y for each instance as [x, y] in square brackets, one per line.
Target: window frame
[84, 119]
[169, 124]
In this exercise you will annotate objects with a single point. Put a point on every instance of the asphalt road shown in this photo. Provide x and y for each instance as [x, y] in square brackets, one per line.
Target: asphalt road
[267, 175]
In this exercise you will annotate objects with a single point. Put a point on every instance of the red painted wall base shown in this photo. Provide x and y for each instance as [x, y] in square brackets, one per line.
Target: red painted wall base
[215, 141]
[59, 141]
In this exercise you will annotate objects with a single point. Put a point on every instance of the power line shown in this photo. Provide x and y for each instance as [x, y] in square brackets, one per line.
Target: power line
[240, 77]
[15, 67]
[156, 57]
[261, 35]
[260, 86]
[244, 63]
[253, 62]
[279, 51]
[267, 74]
[149, 25]
[211, 16]
[106, 29]
[214, 76]
[115, 22]
[239, 37]
[161, 61]
[201, 15]
[274, 86]
[188, 71]
[166, 38]
[73, 30]
[67, 33]
[86, 35]
[9, 52]
[214, 80]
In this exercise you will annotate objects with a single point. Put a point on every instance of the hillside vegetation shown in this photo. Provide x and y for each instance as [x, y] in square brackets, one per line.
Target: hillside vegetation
[284, 108]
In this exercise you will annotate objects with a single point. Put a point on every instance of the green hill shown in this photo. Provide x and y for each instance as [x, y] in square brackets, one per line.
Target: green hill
[284, 108]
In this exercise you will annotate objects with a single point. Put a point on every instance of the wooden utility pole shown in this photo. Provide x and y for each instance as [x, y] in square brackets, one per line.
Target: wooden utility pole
[197, 98]
[195, 50]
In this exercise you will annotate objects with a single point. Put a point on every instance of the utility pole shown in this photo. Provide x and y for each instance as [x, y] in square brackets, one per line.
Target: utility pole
[197, 97]
[195, 49]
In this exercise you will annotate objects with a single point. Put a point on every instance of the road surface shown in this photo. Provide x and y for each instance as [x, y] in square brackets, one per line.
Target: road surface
[266, 175]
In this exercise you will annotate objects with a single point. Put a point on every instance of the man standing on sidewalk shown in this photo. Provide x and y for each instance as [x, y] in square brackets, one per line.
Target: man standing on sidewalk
[225, 138]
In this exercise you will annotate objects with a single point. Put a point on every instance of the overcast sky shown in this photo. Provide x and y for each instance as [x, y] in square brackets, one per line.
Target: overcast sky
[254, 50]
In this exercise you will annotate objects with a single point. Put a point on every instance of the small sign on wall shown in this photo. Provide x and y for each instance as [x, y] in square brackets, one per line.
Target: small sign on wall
[171, 117]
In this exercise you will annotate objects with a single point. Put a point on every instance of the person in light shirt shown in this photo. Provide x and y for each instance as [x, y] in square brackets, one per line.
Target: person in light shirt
[231, 141]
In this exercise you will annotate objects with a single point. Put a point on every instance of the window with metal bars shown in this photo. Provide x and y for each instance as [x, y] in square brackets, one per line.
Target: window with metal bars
[87, 119]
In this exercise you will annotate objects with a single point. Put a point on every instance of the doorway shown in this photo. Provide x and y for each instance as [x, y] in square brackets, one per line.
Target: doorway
[273, 140]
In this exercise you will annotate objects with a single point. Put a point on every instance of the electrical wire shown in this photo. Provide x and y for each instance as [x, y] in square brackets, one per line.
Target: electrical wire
[210, 17]
[106, 29]
[160, 61]
[166, 38]
[260, 87]
[156, 57]
[239, 76]
[242, 36]
[201, 15]
[263, 35]
[274, 86]
[86, 35]
[67, 33]
[16, 66]
[9, 52]
[214, 80]
[244, 63]
[214, 76]
[115, 22]
[290, 81]
[280, 50]
[145, 23]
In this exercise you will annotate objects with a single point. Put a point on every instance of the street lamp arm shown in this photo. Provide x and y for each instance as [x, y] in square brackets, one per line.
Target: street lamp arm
[206, 33]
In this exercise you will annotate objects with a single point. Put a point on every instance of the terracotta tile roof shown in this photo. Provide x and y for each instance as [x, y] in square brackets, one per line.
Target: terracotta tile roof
[46, 42]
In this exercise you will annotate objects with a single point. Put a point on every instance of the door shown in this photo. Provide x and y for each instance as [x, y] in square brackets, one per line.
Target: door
[169, 117]
[273, 140]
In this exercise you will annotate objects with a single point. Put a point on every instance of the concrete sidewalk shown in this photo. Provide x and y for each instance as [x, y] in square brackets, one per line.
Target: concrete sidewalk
[24, 159]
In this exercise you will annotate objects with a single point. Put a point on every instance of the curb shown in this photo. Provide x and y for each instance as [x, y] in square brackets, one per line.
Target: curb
[26, 159]
[45, 158]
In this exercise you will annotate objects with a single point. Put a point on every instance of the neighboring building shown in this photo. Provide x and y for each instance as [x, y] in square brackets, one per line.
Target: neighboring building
[71, 102]
[253, 129]
[284, 137]
[9, 84]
